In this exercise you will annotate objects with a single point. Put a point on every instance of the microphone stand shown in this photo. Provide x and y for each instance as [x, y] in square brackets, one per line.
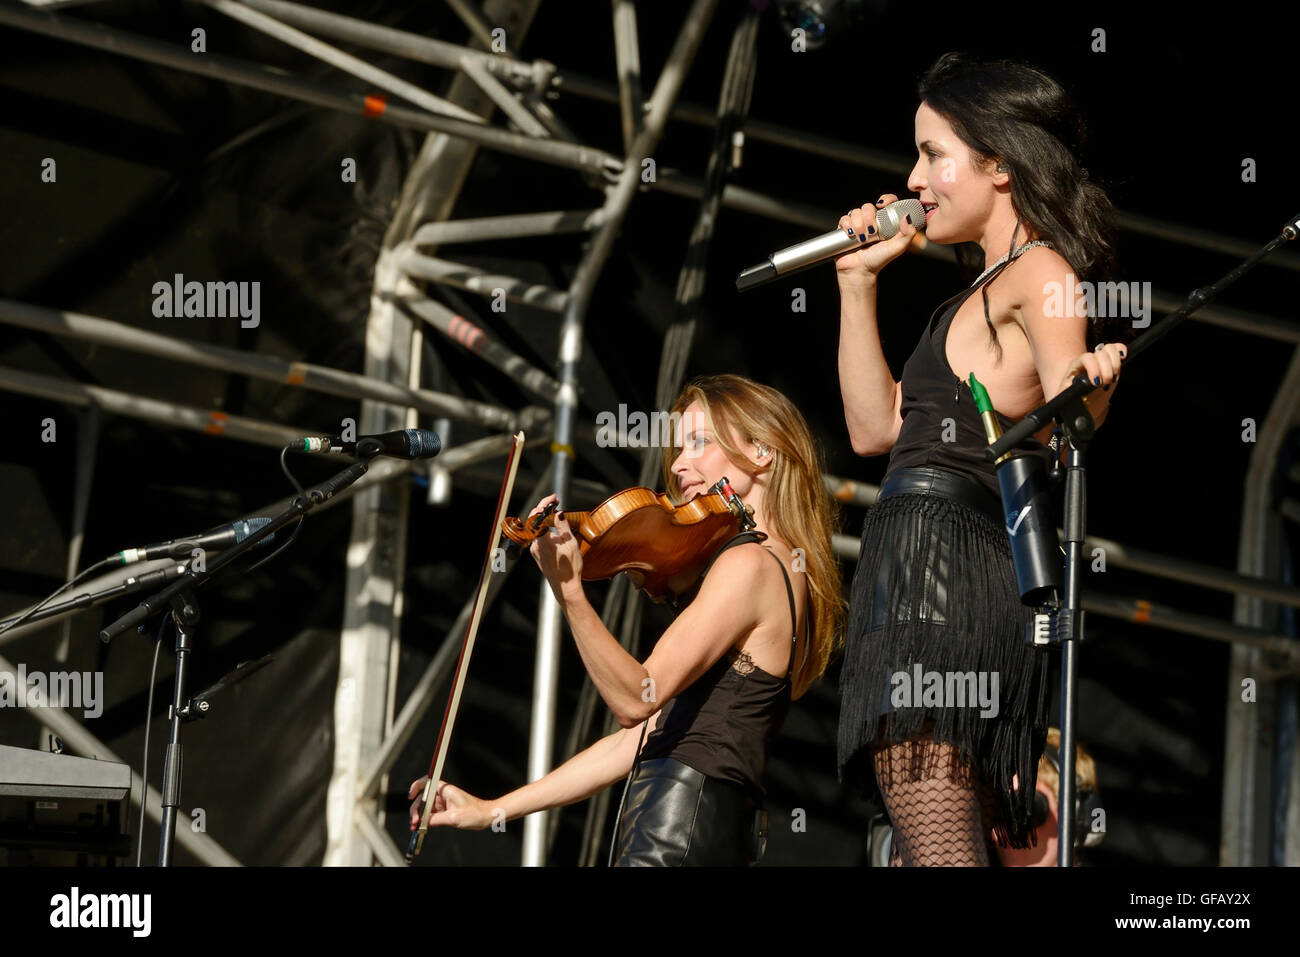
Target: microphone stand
[180, 597]
[1062, 623]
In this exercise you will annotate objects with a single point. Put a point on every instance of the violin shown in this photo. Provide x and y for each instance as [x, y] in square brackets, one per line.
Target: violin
[662, 546]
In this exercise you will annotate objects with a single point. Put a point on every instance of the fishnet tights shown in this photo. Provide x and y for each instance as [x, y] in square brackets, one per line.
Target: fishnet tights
[940, 813]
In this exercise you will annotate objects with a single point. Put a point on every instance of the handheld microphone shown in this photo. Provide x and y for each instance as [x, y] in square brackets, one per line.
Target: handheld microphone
[406, 444]
[215, 539]
[810, 252]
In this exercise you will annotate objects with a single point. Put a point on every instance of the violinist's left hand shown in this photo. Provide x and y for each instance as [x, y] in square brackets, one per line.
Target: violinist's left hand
[557, 555]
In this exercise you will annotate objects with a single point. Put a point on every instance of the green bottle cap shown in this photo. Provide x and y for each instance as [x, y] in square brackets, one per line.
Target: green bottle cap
[982, 402]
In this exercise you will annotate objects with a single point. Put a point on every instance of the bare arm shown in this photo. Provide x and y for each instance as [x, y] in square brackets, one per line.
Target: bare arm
[872, 399]
[871, 396]
[589, 771]
[697, 638]
[1057, 341]
[578, 778]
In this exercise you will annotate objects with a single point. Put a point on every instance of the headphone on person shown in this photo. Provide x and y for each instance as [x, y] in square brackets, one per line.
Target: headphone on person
[1086, 800]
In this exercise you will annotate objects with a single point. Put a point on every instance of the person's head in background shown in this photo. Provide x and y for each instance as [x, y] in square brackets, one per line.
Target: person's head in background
[1046, 823]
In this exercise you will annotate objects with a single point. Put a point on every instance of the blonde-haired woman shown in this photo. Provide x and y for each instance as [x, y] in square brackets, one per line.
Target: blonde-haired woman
[699, 713]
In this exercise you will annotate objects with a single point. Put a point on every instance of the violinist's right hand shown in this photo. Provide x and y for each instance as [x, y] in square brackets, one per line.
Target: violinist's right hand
[450, 807]
[863, 265]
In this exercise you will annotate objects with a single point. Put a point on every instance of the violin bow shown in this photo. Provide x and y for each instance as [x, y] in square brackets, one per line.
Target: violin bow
[466, 649]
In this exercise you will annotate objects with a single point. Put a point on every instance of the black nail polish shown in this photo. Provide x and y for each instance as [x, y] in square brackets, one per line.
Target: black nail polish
[871, 230]
[880, 202]
[909, 220]
[1096, 380]
[1105, 388]
[862, 237]
[850, 230]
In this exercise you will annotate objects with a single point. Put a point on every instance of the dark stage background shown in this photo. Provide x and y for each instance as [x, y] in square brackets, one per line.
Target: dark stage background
[149, 187]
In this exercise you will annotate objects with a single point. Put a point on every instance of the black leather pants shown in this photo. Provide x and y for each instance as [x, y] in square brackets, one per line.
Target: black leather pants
[675, 816]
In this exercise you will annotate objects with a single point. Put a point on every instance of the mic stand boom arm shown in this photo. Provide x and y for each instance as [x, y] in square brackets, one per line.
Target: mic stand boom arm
[299, 506]
[186, 613]
[1064, 625]
[129, 584]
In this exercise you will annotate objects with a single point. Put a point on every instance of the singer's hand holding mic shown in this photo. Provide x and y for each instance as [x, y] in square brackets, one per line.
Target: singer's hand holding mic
[862, 265]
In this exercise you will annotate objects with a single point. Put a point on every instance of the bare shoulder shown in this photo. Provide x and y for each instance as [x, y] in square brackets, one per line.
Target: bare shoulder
[743, 563]
[1036, 271]
[729, 595]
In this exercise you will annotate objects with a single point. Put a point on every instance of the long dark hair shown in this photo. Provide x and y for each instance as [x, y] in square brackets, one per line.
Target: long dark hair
[1022, 118]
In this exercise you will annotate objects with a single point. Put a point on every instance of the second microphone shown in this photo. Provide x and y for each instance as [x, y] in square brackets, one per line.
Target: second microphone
[405, 444]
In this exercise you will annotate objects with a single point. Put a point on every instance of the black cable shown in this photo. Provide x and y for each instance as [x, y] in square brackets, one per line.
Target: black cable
[284, 467]
[289, 541]
[148, 722]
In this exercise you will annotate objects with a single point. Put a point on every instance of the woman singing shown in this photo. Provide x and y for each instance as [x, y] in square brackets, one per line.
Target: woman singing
[935, 586]
[757, 631]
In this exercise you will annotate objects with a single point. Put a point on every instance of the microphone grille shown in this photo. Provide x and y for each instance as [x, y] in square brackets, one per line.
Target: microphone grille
[891, 217]
[422, 443]
[247, 526]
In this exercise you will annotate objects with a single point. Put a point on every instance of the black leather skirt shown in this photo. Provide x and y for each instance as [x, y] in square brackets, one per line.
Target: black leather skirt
[676, 816]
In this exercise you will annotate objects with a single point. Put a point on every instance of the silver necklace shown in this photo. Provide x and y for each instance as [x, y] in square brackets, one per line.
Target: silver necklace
[1013, 255]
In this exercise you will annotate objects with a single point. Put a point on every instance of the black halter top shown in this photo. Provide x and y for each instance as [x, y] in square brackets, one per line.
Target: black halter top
[932, 396]
[721, 725]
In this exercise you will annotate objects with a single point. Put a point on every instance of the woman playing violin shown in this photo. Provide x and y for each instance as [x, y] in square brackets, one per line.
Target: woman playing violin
[757, 629]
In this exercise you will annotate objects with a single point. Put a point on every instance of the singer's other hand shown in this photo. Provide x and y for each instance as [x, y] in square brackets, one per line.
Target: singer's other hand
[1100, 367]
[865, 263]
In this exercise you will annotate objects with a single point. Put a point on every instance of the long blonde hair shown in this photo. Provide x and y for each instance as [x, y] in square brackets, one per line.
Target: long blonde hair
[800, 511]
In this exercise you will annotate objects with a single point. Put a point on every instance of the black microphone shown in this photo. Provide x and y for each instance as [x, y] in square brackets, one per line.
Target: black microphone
[810, 252]
[406, 444]
[215, 539]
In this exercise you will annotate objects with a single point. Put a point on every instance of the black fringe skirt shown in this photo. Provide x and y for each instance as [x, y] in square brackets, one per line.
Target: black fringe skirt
[935, 592]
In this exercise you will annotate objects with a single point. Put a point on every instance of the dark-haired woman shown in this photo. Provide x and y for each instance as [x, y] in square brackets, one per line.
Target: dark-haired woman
[934, 586]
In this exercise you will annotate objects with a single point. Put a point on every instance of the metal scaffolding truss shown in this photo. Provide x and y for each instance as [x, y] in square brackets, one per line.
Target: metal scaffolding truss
[371, 727]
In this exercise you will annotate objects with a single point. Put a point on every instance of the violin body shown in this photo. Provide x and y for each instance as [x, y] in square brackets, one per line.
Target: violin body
[663, 547]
